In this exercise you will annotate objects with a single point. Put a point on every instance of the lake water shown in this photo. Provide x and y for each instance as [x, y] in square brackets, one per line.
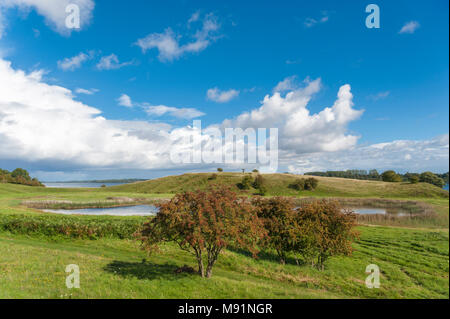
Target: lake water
[150, 210]
[379, 211]
[141, 210]
[78, 185]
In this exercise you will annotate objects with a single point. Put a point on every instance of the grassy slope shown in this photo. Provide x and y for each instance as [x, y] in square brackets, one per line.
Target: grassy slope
[278, 184]
[12, 195]
[414, 264]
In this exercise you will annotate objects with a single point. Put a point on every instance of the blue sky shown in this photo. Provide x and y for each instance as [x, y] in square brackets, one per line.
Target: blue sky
[399, 78]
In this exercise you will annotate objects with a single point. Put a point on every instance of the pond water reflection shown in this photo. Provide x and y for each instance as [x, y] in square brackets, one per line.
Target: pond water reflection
[140, 210]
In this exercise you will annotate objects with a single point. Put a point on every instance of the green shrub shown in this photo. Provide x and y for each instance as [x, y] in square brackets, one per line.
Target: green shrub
[260, 184]
[391, 176]
[326, 230]
[316, 230]
[246, 182]
[301, 184]
[311, 184]
[430, 178]
[91, 227]
[414, 179]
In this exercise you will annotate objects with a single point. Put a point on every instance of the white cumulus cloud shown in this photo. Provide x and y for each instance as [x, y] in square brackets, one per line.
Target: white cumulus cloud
[73, 63]
[86, 91]
[125, 100]
[54, 12]
[111, 62]
[45, 125]
[182, 113]
[300, 131]
[169, 44]
[219, 96]
[399, 155]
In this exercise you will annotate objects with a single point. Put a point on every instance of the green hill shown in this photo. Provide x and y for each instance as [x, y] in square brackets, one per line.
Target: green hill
[278, 184]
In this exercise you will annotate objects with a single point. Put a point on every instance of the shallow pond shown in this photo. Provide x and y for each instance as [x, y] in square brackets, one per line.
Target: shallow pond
[141, 210]
[79, 185]
[379, 211]
[150, 210]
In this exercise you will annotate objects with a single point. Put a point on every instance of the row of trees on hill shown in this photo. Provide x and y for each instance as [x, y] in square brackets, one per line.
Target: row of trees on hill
[206, 222]
[18, 176]
[388, 176]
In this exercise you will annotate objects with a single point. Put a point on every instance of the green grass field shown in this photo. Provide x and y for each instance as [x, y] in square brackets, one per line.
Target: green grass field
[414, 261]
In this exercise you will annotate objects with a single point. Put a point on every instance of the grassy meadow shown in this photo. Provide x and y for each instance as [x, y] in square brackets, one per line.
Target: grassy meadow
[35, 247]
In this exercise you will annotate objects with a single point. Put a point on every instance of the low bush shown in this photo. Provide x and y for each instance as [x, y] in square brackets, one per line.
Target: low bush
[260, 184]
[301, 184]
[391, 176]
[246, 182]
[327, 230]
[430, 178]
[279, 219]
[88, 227]
[316, 230]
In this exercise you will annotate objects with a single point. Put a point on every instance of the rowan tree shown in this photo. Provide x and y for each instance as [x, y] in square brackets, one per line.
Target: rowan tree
[204, 223]
[327, 230]
[279, 218]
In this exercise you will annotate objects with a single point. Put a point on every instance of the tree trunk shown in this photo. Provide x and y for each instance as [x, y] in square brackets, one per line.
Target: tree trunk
[282, 257]
[213, 254]
[209, 271]
[201, 269]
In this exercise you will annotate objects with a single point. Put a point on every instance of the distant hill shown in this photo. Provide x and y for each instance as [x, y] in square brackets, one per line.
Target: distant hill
[279, 185]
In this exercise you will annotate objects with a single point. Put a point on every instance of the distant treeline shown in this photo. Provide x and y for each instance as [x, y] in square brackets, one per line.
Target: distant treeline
[389, 176]
[18, 176]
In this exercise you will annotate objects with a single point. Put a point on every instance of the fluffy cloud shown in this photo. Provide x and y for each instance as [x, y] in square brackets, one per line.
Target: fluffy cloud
[111, 62]
[54, 12]
[401, 155]
[160, 110]
[85, 91]
[410, 27]
[300, 131]
[182, 113]
[125, 100]
[194, 18]
[43, 123]
[288, 84]
[219, 96]
[44, 127]
[73, 63]
[168, 43]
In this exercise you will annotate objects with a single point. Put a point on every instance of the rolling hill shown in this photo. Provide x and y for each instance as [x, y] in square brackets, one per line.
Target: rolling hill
[278, 185]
